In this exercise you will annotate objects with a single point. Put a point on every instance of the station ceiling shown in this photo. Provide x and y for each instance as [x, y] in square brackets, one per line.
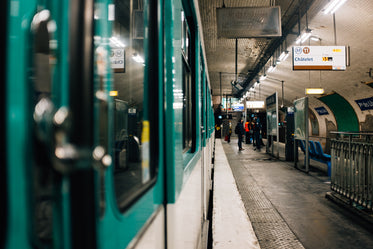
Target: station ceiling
[352, 28]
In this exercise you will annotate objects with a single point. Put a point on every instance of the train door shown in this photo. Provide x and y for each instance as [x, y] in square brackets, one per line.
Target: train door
[63, 138]
[49, 124]
[63, 175]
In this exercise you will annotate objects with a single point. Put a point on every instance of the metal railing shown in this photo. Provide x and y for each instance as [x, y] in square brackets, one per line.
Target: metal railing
[352, 167]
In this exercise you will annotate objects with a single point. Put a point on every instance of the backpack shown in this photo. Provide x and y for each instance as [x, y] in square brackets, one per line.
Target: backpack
[237, 129]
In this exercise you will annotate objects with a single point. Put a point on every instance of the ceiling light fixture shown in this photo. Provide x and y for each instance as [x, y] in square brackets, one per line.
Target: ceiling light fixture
[315, 90]
[304, 37]
[315, 38]
[137, 58]
[333, 6]
[271, 69]
[117, 42]
[284, 55]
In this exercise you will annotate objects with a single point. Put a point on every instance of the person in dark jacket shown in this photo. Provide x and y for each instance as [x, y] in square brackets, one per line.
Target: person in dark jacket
[257, 137]
[240, 134]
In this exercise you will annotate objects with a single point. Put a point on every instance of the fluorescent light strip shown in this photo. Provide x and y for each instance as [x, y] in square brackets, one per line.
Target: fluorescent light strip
[271, 69]
[138, 58]
[314, 90]
[117, 42]
[282, 56]
[305, 36]
[333, 6]
[337, 7]
[286, 56]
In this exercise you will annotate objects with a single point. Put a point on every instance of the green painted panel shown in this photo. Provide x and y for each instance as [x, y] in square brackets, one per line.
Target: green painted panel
[344, 113]
[17, 116]
[172, 156]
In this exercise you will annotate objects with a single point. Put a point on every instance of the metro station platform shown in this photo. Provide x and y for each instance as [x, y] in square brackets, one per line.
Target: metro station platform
[263, 202]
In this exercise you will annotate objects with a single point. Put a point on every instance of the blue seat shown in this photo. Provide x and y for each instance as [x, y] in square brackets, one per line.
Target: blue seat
[322, 157]
[312, 149]
[316, 153]
[321, 153]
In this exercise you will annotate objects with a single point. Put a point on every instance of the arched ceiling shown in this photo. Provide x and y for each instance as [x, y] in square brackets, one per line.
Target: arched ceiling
[353, 28]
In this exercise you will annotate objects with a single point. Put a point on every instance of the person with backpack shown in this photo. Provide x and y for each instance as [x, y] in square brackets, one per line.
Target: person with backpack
[240, 131]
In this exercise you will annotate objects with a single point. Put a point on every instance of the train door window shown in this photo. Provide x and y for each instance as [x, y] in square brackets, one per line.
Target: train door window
[202, 94]
[207, 112]
[188, 56]
[133, 126]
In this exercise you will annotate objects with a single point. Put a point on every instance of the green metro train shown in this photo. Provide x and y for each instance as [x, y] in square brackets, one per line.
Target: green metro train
[107, 130]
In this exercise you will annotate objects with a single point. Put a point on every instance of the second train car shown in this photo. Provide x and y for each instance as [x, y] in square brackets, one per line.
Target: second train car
[107, 130]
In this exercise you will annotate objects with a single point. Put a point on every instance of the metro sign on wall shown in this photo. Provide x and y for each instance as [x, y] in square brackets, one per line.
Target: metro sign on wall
[319, 58]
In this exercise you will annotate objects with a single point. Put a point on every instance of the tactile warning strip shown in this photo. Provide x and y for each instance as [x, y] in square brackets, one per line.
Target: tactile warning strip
[270, 228]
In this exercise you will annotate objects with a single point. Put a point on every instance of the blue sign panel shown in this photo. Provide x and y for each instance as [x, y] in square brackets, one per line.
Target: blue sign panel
[365, 104]
[238, 107]
[321, 110]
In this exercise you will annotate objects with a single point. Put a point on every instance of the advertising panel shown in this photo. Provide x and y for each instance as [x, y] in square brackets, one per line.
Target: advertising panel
[272, 123]
[301, 118]
[301, 130]
[248, 22]
[272, 120]
[232, 104]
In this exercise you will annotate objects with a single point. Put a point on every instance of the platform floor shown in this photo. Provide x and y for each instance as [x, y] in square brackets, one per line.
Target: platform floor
[287, 207]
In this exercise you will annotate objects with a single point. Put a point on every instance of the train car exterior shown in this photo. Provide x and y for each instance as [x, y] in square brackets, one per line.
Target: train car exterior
[108, 128]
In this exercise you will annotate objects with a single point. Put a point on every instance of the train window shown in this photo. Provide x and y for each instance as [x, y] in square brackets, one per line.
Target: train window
[187, 107]
[202, 94]
[188, 86]
[207, 113]
[185, 36]
[133, 129]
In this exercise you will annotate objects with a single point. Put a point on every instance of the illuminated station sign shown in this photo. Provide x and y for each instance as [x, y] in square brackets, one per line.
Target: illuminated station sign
[319, 58]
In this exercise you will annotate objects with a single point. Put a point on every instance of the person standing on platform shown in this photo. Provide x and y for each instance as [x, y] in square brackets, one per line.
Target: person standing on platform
[251, 132]
[247, 134]
[230, 132]
[252, 124]
[240, 131]
[257, 138]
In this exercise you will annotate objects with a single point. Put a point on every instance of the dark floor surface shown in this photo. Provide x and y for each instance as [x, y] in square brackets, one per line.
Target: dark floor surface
[299, 199]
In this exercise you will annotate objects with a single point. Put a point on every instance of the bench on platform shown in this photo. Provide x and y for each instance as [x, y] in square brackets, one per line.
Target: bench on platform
[316, 153]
